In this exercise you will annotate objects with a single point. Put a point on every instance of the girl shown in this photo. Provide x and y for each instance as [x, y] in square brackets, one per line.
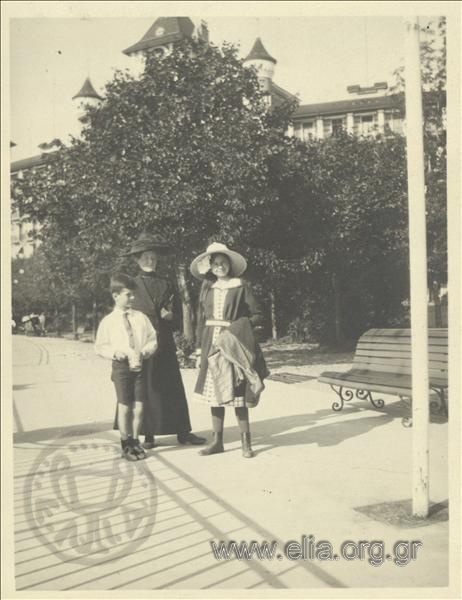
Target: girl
[224, 299]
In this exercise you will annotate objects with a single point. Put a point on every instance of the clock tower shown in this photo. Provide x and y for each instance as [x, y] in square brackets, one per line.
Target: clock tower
[264, 63]
[162, 35]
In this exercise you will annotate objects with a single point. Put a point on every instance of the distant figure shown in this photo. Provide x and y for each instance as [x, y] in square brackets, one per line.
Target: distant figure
[27, 324]
[35, 322]
[42, 320]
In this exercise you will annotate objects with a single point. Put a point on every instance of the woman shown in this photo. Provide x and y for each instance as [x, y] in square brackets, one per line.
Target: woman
[226, 310]
[166, 410]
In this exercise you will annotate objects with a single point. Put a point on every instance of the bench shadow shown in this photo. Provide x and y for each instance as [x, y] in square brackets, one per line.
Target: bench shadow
[272, 433]
[23, 386]
[40, 435]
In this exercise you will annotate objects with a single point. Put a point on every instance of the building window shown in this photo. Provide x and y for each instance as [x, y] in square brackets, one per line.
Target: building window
[308, 130]
[365, 124]
[305, 130]
[337, 126]
[333, 125]
[393, 122]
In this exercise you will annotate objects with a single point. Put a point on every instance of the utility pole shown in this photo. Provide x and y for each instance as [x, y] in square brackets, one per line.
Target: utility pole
[418, 269]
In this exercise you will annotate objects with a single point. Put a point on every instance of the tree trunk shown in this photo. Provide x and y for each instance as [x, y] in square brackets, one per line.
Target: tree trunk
[274, 322]
[188, 328]
[74, 321]
[95, 320]
[339, 339]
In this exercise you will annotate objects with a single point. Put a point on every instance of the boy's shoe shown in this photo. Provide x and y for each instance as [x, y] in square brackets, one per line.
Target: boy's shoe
[139, 451]
[127, 450]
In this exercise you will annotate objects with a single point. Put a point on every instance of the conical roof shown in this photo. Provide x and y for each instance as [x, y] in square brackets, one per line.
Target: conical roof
[163, 31]
[87, 91]
[259, 52]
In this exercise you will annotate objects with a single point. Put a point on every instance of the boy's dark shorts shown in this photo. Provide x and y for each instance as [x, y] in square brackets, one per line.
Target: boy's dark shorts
[130, 385]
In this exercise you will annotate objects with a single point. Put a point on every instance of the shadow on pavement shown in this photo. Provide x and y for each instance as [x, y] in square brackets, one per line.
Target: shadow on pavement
[40, 435]
[276, 358]
[399, 513]
[277, 432]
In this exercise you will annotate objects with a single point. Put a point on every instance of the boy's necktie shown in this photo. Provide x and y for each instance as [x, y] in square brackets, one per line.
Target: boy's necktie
[128, 327]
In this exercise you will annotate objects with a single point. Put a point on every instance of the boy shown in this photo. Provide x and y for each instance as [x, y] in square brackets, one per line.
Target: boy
[127, 337]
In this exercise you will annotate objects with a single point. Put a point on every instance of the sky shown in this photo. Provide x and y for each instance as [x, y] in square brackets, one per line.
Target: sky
[317, 58]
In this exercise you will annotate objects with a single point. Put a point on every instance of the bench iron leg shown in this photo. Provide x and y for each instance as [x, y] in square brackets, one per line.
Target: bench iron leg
[406, 421]
[366, 395]
[441, 407]
[343, 395]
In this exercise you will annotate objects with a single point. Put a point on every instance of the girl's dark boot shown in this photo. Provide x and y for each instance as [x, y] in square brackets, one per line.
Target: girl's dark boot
[215, 447]
[247, 451]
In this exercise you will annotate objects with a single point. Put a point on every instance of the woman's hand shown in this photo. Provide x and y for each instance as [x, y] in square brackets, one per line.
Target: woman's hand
[198, 359]
[166, 314]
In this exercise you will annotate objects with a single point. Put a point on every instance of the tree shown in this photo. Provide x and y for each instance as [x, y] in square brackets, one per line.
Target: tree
[183, 149]
[433, 74]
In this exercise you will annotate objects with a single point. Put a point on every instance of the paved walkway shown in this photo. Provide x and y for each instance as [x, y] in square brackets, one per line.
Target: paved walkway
[85, 520]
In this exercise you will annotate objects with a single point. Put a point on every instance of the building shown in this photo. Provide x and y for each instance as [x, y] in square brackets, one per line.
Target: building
[367, 111]
[358, 116]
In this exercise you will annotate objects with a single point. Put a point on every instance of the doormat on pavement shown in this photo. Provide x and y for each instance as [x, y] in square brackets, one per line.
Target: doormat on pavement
[290, 377]
[399, 513]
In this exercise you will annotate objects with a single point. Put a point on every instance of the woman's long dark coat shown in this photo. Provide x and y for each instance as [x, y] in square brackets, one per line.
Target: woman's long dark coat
[166, 409]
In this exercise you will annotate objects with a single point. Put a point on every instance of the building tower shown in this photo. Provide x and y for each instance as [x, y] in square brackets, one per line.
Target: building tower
[86, 95]
[264, 63]
[162, 35]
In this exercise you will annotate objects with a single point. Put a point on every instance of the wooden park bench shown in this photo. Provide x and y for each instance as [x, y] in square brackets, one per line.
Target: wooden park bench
[382, 363]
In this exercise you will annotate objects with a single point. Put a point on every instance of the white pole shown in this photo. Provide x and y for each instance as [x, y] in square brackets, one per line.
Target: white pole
[418, 267]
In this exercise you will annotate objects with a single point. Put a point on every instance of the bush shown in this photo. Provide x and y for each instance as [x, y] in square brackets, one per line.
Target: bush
[184, 349]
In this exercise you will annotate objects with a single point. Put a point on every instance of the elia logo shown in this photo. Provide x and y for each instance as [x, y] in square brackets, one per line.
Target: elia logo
[85, 504]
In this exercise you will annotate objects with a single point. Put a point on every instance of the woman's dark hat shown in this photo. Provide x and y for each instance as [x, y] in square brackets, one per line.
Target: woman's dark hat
[147, 241]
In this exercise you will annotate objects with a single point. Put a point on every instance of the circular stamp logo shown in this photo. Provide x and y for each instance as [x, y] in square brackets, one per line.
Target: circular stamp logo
[85, 503]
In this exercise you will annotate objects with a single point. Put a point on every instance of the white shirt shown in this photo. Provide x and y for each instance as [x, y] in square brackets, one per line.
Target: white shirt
[112, 335]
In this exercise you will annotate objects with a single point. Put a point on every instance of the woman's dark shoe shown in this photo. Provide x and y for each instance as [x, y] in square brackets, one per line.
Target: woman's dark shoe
[247, 451]
[149, 443]
[137, 449]
[190, 438]
[127, 450]
[215, 447]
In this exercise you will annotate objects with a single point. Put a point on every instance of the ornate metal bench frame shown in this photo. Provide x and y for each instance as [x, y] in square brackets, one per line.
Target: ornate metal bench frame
[346, 394]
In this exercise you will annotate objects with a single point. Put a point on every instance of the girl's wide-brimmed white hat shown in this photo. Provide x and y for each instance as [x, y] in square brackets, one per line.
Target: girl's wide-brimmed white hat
[201, 264]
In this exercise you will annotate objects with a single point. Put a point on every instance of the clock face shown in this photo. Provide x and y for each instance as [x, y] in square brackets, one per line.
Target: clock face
[159, 31]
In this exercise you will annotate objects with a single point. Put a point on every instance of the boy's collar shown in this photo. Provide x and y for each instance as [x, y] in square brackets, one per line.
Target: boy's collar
[123, 310]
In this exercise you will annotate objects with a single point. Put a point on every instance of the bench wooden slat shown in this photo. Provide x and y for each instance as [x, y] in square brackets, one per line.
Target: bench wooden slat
[395, 369]
[437, 379]
[432, 332]
[400, 341]
[405, 358]
[381, 376]
[399, 361]
[391, 355]
[399, 349]
[371, 380]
